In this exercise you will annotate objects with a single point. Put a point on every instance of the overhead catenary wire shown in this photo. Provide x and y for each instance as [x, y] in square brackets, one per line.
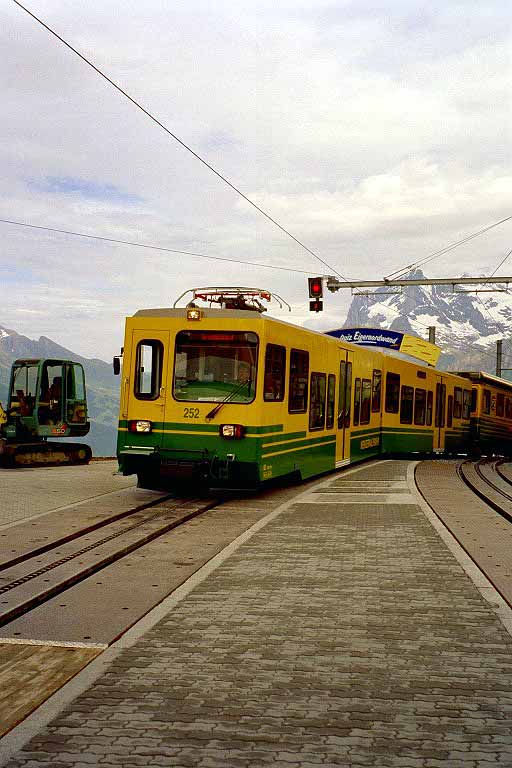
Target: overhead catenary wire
[431, 256]
[152, 247]
[177, 138]
[215, 258]
[501, 263]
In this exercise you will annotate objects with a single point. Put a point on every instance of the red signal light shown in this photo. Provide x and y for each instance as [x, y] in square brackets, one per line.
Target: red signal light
[315, 287]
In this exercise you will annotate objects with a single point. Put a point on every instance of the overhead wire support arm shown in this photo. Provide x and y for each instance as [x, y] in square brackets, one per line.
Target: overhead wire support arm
[333, 284]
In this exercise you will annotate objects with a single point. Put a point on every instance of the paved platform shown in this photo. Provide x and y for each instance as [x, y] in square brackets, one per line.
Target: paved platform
[339, 631]
[485, 535]
[26, 493]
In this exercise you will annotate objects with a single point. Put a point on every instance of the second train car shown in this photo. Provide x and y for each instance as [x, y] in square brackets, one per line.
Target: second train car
[229, 397]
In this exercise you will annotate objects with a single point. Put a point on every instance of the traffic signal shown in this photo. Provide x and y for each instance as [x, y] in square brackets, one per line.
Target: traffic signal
[315, 292]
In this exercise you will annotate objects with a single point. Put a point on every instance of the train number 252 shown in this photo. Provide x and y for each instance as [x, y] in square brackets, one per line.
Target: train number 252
[191, 413]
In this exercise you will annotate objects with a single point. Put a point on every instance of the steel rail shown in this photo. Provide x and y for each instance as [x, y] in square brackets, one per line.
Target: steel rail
[81, 532]
[481, 492]
[40, 594]
[506, 478]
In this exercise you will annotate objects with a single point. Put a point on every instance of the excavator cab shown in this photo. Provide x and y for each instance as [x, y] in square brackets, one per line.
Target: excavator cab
[46, 399]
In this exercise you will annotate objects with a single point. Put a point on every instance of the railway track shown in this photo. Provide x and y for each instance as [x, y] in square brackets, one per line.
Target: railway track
[35, 576]
[504, 470]
[489, 484]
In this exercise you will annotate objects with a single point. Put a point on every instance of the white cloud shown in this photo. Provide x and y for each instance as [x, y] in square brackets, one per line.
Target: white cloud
[375, 134]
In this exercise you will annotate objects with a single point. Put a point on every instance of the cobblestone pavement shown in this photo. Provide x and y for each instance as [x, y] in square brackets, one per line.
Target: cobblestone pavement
[27, 492]
[341, 634]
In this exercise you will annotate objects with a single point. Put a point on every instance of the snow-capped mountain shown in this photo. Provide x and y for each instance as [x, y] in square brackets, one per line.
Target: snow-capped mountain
[467, 324]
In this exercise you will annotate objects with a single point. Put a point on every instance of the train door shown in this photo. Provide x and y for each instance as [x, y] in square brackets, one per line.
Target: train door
[147, 384]
[439, 415]
[344, 415]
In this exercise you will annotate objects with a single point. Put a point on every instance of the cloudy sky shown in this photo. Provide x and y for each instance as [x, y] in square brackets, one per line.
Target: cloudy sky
[375, 132]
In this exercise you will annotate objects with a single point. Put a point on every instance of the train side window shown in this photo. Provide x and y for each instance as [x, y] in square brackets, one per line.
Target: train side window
[466, 403]
[357, 401]
[474, 396]
[341, 394]
[457, 403]
[392, 402]
[406, 403]
[420, 397]
[440, 404]
[275, 370]
[500, 404]
[486, 401]
[331, 394]
[376, 390]
[366, 396]
[449, 415]
[298, 386]
[508, 408]
[430, 404]
[348, 395]
[317, 401]
[148, 369]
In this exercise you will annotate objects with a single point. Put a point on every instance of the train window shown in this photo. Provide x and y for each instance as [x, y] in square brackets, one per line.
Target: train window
[275, 368]
[298, 386]
[215, 366]
[376, 390]
[366, 396]
[148, 369]
[406, 402]
[500, 404]
[420, 398]
[466, 403]
[357, 401]
[457, 403]
[348, 395]
[473, 399]
[331, 393]
[486, 401]
[392, 402]
[344, 394]
[508, 408]
[317, 401]
[449, 415]
[430, 402]
[440, 404]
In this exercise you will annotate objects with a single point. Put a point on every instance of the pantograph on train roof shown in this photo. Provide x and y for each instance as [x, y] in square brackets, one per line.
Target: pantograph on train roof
[233, 298]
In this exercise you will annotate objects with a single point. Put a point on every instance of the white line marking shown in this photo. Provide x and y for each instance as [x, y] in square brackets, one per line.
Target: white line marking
[478, 577]
[53, 643]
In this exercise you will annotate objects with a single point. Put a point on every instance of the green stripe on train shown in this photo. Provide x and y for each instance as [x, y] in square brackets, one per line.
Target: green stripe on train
[177, 426]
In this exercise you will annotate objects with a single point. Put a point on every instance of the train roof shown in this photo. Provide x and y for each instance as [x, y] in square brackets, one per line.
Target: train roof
[246, 314]
[486, 378]
[179, 312]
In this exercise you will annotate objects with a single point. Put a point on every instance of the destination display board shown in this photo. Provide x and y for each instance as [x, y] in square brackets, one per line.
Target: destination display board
[381, 337]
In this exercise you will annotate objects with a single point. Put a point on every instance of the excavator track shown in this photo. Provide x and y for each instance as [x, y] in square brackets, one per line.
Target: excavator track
[44, 454]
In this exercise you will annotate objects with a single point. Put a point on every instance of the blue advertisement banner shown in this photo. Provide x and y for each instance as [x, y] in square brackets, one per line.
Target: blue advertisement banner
[369, 337]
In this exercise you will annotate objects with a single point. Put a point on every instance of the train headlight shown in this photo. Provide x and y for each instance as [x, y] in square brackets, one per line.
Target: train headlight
[140, 426]
[231, 431]
[194, 314]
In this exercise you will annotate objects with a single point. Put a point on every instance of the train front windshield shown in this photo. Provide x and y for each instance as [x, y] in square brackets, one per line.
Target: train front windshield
[212, 366]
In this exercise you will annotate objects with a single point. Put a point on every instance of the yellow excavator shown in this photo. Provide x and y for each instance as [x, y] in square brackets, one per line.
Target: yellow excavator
[46, 400]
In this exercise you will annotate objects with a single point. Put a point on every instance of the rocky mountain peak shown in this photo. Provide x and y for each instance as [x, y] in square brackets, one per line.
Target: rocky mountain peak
[467, 324]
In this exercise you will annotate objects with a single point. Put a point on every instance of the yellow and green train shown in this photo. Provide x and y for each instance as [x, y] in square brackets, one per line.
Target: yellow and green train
[232, 398]
[491, 414]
